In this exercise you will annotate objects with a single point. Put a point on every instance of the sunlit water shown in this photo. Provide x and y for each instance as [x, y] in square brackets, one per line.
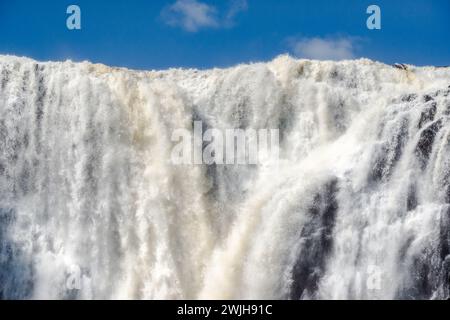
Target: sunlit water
[357, 207]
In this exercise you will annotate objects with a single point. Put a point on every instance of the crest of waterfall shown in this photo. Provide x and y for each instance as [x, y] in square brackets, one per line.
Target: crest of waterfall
[357, 207]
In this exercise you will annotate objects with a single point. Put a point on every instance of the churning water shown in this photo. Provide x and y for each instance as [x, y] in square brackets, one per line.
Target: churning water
[356, 207]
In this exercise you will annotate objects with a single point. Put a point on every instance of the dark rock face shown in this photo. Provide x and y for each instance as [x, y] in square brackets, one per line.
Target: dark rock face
[317, 241]
[430, 270]
[411, 202]
[426, 140]
[389, 153]
[428, 114]
[409, 97]
[400, 66]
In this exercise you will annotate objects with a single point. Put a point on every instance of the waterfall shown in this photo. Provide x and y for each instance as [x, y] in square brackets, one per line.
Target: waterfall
[356, 207]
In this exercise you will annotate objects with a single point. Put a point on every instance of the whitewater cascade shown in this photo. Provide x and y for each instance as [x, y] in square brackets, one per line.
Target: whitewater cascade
[357, 207]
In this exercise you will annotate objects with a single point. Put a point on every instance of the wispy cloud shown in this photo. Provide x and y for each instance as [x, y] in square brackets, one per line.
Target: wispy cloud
[340, 48]
[193, 15]
[236, 7]
[190, 15]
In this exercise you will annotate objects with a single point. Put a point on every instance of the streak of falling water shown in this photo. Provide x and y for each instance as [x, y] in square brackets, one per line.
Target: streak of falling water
[357, 207]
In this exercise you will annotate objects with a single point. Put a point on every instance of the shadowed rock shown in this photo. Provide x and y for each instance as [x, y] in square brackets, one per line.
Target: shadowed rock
[317, 241]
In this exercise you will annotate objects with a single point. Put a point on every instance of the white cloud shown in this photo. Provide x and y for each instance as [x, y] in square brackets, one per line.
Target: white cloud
[236, 7]
[324, 48]
[193, 15]
[190, 15]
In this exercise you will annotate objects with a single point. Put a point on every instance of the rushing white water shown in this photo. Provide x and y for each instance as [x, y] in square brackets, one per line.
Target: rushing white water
[357, 207]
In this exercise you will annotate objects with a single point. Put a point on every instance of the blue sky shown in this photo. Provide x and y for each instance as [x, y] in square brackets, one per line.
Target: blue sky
[143, 34]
